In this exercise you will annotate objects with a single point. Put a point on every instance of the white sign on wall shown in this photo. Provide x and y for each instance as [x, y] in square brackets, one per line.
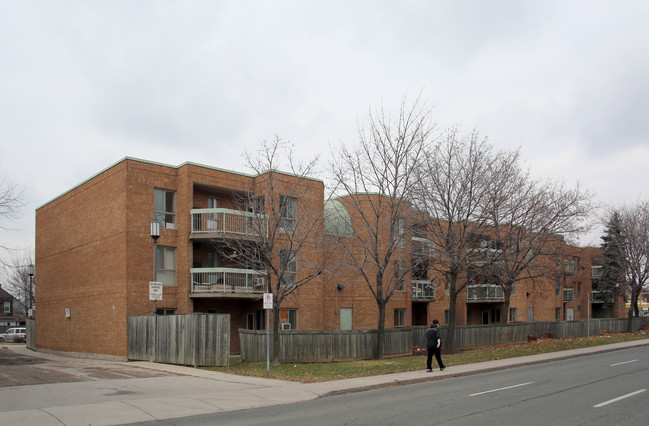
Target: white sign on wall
[268, 300]
[155, 290]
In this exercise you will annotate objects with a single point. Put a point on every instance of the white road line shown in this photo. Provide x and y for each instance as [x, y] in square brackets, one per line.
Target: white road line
[628, 395]
[497, 390]
[622, 363]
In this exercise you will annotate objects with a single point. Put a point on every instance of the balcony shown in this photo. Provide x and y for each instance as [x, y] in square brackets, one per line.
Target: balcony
[224, 223]
[597, 297]
[423, 290]
[227, 281]
[483, 255]
[568, 294]
[596, 271]
[485, 293]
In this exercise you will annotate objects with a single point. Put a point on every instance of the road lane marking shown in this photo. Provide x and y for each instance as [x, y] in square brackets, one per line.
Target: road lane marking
[622, 363]
[501, 389]
[619, 398]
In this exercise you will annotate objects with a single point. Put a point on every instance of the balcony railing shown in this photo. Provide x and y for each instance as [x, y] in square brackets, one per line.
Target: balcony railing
[485, 293]
[423, 290]
[568, 294]
[227, 280]
[597, 297]
[596, 271]
[229, 222]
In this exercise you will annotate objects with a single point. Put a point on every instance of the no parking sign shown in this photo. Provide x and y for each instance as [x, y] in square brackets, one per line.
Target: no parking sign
[268, 300]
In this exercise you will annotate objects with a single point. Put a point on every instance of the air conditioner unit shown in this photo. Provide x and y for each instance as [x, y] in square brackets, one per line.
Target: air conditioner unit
[259, 282]
[286, 326]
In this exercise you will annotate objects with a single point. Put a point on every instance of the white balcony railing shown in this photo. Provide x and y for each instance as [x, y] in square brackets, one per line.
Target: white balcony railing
[227, 280]
[423, 290]
[485, 293]
[568, 294]
[596, 271]
[597, 297]
[228, 221]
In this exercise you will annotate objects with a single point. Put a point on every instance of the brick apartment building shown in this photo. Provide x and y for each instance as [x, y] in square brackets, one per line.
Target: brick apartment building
[95, 257]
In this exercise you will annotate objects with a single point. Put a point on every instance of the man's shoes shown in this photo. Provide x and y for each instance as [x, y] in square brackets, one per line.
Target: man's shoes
[429, 370]
[442, 369]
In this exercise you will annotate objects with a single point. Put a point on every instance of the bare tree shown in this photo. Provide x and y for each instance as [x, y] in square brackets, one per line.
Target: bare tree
[635, 229]
[451, 188]
[373, 180]
[20, 284]
[528, 221]
[10, 204]
[285, 215]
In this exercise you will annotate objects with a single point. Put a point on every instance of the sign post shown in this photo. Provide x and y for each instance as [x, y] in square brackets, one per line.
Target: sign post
[155, 293]
[268, 305]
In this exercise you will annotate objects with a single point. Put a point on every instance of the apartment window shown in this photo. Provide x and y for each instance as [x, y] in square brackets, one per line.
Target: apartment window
[166, 265]
[213, 259]
[446, 316]
[164, 208]
[398, 231]
[287, 211]
[165, 311]
[557, 314]
[468, 317]
[400, 317]
[495, 315]
[7, 307]
[288, 264]
[558, 287]
[578, 288]
[288, 319]
[513, 289]
[512, 314]
[399, 271]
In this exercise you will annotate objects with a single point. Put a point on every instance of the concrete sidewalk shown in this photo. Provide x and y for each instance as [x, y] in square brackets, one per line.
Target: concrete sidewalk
[189, 391]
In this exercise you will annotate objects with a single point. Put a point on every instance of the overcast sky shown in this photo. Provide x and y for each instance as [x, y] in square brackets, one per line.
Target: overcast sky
[84, 84]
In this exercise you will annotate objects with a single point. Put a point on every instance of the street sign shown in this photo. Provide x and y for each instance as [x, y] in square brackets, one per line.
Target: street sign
[268, 300]
[155, 290]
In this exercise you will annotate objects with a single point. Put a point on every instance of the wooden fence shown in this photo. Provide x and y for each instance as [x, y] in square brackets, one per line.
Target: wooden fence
[191, 339]
[324, 346]
[327, 346]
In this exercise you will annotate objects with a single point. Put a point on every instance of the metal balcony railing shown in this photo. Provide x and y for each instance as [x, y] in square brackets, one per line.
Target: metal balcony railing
[227, 280]
[596, 271]
[423, 290]
[568, 294]
[597, 297]
[229, 222]
[485, 293]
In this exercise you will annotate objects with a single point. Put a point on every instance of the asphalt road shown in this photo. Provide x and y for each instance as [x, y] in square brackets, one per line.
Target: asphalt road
[21, 370]
[602, 389]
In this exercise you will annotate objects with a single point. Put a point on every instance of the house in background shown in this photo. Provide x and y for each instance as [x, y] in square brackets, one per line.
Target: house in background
[95, 258]
[8, 317]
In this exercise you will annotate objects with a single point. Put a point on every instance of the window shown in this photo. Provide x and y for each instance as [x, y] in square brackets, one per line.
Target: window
[398, 231]
[468, 317]
[288, 264]
[164, 208]
[399, 272]
[213, 259]
[165, 265]
[165, 311]
[7, 307]
[513, 289]
[288, 319]
[578, 288]
[557, 314]
[400, 317]
[512, 314]
[287, 210]
[558, 287]
[446, 316]
[495, 315]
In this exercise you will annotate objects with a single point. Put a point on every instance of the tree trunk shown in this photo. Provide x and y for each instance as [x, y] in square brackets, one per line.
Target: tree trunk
[378, 352]
[450, 330]
[507, 293]
[276, 343]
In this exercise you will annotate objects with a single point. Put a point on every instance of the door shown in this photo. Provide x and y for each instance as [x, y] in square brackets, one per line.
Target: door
[345, 318]
[530, 314]
[485, 318]
[570, 314]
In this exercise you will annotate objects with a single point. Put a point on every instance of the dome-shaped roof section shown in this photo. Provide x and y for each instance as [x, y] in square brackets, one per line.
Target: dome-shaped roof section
[337, 220]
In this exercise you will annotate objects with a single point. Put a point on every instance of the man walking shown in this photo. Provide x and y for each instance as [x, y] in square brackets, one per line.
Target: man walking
[434, 347]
